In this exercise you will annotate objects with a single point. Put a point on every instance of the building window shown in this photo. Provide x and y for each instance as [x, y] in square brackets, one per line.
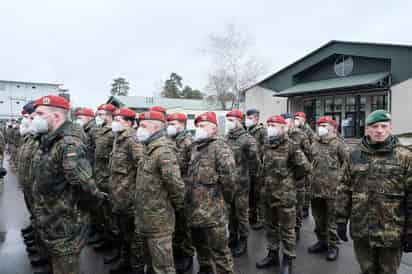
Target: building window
[329, 104]
[33, 87]
[343, 66]
[2, 87]
[333, 104]
[379, 102]
[350, 104]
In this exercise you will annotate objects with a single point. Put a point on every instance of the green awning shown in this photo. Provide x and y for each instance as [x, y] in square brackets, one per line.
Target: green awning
[355, 81]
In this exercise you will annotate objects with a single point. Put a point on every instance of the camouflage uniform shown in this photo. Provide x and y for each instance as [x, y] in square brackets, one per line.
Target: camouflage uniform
[103, 141]
[255, 204]
[210, 191]
[126, 154]
[182, 243]
[329, 156]
[283, 164]
[376, 195]
[245, 151]
[90, 131]
[61, 171]
[159, 192]
[300, 138]
[14, 144]
[313, 138]
[2, 150]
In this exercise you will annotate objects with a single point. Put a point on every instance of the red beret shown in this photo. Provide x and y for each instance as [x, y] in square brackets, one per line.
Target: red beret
[177, 116]
[235, 113]
[52, 101]
[85, 112]
[152, 115]
[300, 114]
[107, 107]
[158, 109]
[276, 119]
[325, 119]
[126, 112]
[207, 116]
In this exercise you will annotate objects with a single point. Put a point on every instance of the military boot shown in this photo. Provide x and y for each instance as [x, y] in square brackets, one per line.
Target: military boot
[40, 261]
[333, 253]
[205, 270]
[113, 258]
[257, 226]
[272, 259]
[297, 234]
[184, 264]
[26, 230]
[286, 267]
[233, 239]
[319, 247]
[305, 213]
[121, 268]
[240, 248]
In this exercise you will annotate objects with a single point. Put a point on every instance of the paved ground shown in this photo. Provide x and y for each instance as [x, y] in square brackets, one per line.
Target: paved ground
[13, 259]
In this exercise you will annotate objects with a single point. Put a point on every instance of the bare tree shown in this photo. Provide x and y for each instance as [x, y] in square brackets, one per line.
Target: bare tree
[234, 67]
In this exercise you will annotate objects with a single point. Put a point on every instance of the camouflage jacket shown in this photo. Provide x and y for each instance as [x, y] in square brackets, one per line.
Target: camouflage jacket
[90, 131]
[15, 137]
[8, 135]
[2, 147]
[103, 147]
[245, 151]
[211, 183]
[183, 143]
[283, 164]
[259, 132]
[376, 193]
[61, 173]
[25, 160]
[126, 154]
[330, 154]
[159, 187]
[310, 134]
[299, 137]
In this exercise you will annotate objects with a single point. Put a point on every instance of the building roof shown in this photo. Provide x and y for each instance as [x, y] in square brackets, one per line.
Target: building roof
[31, 83]
[141, 102]
[399, 54]
[362, 80]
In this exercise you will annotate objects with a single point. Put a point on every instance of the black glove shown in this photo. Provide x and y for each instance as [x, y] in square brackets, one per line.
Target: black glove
[407, 243]
[3, 172]
[343, 232]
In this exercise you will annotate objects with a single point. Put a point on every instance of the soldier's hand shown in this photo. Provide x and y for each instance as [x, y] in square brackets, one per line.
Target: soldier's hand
[407, 244]
[102, 196]
[343, 232]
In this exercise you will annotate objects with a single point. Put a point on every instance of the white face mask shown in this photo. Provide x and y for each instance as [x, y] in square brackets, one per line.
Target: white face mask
[117, 126]
[79, 122]
[23, 130]
[142, 134]
[39, 125]
[200, 134]
[171, 131]
[25, 122]
[322, 131]
[249, 123]
[99, 121]
[273, 131]
[230, 125]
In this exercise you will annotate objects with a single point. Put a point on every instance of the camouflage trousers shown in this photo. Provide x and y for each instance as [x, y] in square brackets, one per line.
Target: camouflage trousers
[131, 243]
[280, 222]
[158, 255]
[239, 215]
[324, 213]
[182, 240]
[69, 264]
[255, 201]
[212, 248]
[300, 198]
[377, 260]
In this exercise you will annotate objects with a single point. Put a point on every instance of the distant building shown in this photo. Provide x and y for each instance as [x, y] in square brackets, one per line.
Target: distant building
[346, 80]
[14, 94]
[191, 107]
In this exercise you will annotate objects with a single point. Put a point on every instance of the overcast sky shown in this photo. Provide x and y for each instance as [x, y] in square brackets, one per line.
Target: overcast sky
[84, 44]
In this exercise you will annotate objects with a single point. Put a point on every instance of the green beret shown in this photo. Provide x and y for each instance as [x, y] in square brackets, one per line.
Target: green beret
[379, 115]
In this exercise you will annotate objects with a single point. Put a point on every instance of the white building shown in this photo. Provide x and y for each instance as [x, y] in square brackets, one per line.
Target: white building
[14, 94]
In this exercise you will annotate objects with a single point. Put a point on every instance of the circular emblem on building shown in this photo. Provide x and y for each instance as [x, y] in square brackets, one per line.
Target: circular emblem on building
[343, 66]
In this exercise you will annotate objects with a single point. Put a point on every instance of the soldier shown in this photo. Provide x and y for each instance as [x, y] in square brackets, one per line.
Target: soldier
[329, 156]
[376, 196]
[300, 122]
[61, 172]
[247, 162]
[182, 243]
[14, 144]
[85, 119]
[126, 154]
[210, 191]
[283, 164]
[159, 193]
[2, 150]
[300, 138]
[103, 141]
[258, 131]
